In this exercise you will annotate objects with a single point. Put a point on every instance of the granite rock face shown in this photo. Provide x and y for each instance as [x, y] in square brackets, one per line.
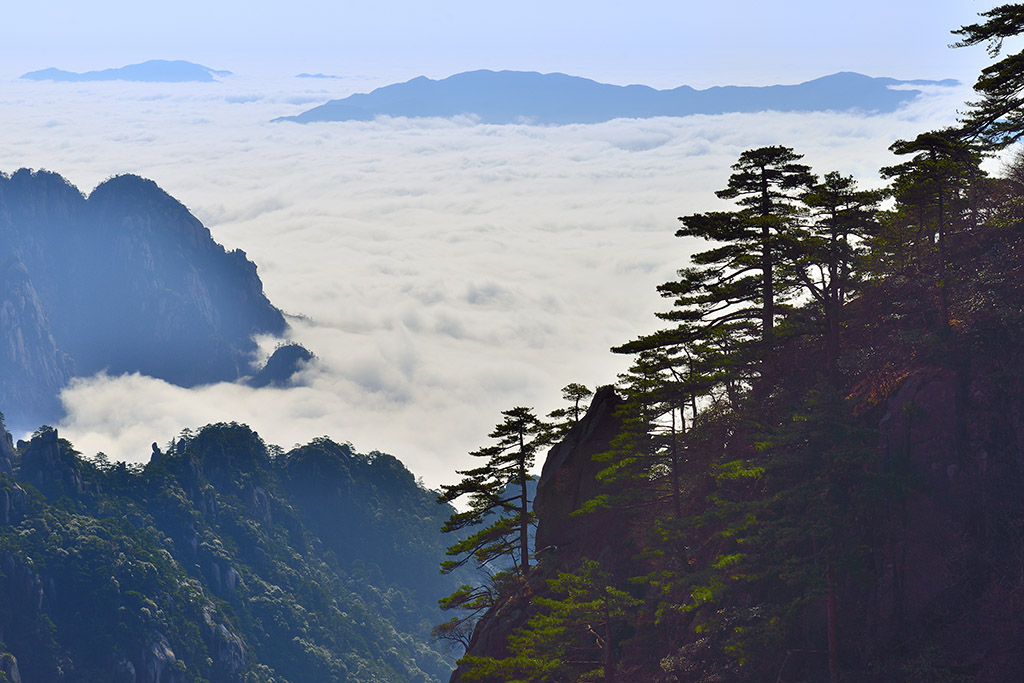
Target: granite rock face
[32, 369]
[44, 465]
[126, 280]
[9, 668]
[6, 449]
[568, 480]
[569, 476]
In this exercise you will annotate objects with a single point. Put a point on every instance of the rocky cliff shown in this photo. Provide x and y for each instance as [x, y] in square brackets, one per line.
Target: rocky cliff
[32, 369]
[568, 480]
[126, 280]
[878, 534]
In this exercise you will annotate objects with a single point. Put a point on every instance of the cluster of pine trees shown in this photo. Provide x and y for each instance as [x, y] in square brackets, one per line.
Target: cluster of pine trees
[743, 464]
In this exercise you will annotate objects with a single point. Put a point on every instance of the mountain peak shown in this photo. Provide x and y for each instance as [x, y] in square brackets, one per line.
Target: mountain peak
[127, 280]
[502, 97]
[153, 71]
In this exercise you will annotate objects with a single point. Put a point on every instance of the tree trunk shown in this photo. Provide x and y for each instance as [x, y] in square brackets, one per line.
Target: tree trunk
[524, 510]
[609, 669]
[767, 284]
[677, 507]
[943, 296]
[767, 293]
[833, 638]
[833, 304]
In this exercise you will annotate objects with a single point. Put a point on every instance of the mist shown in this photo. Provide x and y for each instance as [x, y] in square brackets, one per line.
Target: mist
[440, 270]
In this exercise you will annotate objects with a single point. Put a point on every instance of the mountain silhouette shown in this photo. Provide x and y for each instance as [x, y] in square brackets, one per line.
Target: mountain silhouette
[502, 97]
[153, 71]
[124, 280]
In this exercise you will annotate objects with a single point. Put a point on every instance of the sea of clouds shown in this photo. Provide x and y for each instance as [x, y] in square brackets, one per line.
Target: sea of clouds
[440, 270]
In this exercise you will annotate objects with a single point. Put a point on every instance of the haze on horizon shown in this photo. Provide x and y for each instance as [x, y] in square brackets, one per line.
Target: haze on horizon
[657, 43]
[443, 270]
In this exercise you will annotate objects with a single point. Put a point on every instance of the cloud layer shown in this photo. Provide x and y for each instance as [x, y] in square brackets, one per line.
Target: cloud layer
[441, 270]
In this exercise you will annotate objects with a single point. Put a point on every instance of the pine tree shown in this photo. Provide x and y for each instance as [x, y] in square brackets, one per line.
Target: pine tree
[789, 517]
[997, 119]
[841, 217]
[571, 638]
[561, 420]
[508, 462]
[932, 187]
[741, 279]
[498, 517]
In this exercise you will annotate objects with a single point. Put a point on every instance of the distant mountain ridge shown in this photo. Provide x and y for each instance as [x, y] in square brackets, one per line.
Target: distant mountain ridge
[152, 71]
[126, 280]
[502, 97]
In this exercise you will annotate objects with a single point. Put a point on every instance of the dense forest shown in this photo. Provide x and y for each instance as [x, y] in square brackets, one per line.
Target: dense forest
[812, 470]
[222, 559]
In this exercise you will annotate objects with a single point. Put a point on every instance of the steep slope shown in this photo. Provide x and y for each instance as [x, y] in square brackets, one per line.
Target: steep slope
[879, 521]
[567, 482]
[218, 561]
[35, 370]
[126, 281]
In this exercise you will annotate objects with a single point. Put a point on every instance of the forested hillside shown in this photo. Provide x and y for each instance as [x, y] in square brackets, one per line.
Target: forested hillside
[812, 471]
[222, 559]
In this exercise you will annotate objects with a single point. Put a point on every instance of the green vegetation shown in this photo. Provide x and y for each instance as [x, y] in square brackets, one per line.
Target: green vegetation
[220, 560]
[795, 487]
[497, 524]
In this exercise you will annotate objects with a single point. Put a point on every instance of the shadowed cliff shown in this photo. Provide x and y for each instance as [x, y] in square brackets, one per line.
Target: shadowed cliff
[126, 280]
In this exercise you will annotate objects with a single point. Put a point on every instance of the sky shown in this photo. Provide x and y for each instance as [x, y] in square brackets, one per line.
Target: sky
[441, 270]
[659, 43]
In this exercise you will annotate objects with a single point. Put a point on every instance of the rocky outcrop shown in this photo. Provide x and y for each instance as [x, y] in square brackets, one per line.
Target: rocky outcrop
[124, 671]
[259, 504]
[945, 542]
[569, 476]
[9, 667]
[568, 480]
[32, 369]
[282, 366]
[6, 449]
[22, 585]
[124, 281]
[224, 579]
[44, 465]
[227, 649]
[159, 663]
[12, 504]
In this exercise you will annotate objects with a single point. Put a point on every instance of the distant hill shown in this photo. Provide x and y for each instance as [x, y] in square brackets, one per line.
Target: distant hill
[153, 71]
[126, 280]
[502, 97]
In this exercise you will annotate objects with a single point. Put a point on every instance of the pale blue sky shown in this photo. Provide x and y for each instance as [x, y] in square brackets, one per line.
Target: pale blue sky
[662, 43]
